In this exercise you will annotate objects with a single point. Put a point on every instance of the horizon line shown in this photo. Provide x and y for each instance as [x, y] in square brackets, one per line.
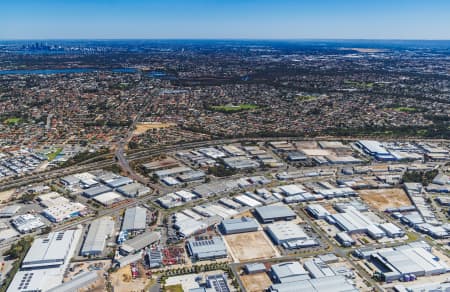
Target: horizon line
[220, 39]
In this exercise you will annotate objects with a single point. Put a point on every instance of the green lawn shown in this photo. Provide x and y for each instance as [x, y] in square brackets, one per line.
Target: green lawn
[234, 108]
[53, 154]
[11, 121]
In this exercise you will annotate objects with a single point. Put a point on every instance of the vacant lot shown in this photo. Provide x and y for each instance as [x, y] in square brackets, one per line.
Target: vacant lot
[250, 246]
[141, 128]
[256, 282]
[123, 282]
[381, 199]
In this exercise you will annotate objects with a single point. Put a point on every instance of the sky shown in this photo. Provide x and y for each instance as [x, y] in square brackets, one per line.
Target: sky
[225, 19]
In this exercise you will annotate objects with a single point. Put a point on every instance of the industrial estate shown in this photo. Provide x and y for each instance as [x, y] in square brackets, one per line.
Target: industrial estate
[254, 167]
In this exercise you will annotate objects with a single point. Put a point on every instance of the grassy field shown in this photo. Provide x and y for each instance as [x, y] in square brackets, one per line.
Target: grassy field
[234, 108]
[12, 121]
[53, 154]
[173, 288]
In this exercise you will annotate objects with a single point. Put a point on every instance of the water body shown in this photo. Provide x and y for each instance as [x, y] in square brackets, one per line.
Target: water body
[65, 71]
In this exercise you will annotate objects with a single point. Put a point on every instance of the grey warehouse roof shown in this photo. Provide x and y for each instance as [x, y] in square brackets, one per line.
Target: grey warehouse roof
[134, 219]
[274, 212]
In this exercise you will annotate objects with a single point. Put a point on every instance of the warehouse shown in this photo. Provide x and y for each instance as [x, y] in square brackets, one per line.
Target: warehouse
[46, 261]
[326, 284]
[233, 150]
[399, 262]
[99, 230]
[139, 242]
[64, 210]
[353, 221]
[27, 223]
[191, 176]
[318, 269]
[172, 171]
[292, 190]
[392, 230]
[269, 214]
[109, 198]
[118, 182]
[134, 190]
[317, 211]
[134, 219]
[52, 250]
[9, 211]
[375, 149]
[239, 225]
[247, 201]
[212, 152]
[240, 162]
[207, 249]
[187, 226]
[345, 239]
[95, 191]
[289, 235]
[80, 281]
[288, 272]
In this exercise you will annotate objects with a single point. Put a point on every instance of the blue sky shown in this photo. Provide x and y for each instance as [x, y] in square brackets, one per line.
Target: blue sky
[256, 19]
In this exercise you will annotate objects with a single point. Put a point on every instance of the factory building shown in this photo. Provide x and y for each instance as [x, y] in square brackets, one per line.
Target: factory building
[353, 221]
[46, 261]
[99, 230]
[327, 284]
[375, 149]
[272, 213]
[95, 191]
[392, 230]
[27, 223]
[139, 242]
[345, 239]
[289, 235]
[9, 211]
[239, 225]
[134, 190]
[135, 219]
[288, 272]
[317, 211]
[406, 261]
[207, 249]
[80, 281]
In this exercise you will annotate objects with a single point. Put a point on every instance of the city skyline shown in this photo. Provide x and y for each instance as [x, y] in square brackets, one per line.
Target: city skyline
[201, 19]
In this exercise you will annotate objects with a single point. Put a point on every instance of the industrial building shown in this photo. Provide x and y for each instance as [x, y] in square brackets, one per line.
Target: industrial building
[239, 225]
[118, 182]
[326, 284]
[255, 268]
[64, 210]
[79, 281]
[375, 149]
[392, 230]
[27, 223]
[9, 211]
[289, 235]
[288, 272]
[405, 261]
[109, 198]
[353, 221]
[134, 219]
[269, 214]
[46, 261]
[317, 211]
[134, 190]
[95, 241]
[139, 242]
[95, 191]
[207, 249]
[345, 239]
[240, 162]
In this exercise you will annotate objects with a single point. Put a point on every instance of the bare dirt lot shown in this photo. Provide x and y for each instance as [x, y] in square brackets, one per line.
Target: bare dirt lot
[381, 199]
[250, 246]
[141, 128]
[123, 282]
[257, 282]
